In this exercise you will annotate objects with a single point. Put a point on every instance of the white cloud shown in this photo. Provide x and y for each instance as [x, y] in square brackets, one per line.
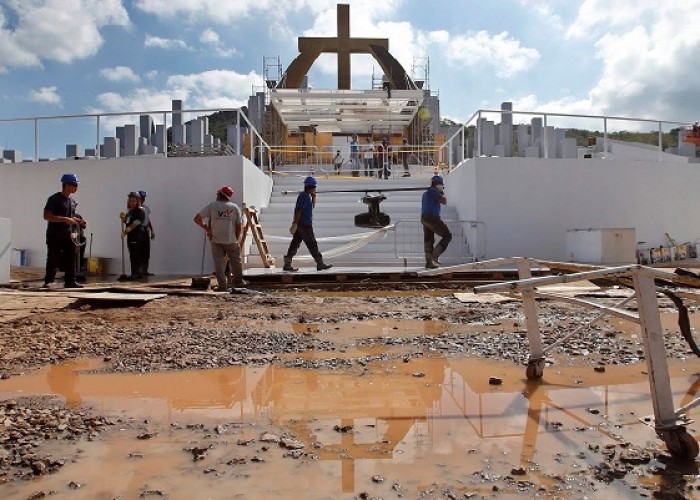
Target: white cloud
[207, 90]
[275, 11]
[164, 43]
[648, 52]
[45, 95]
[212, 40]
[210, 37]
[55, 30]
[119, 74]
[500, 52]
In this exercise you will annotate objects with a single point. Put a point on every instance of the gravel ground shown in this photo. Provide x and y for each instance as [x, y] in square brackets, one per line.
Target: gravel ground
[220, 330]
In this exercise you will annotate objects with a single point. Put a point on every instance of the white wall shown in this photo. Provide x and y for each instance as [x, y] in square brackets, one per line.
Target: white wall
[528, 204]
[5, 249]
[177, 189]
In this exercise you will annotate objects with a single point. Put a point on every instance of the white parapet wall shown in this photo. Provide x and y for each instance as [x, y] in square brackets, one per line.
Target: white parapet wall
[529, 204]
[177, 188]
[5, 249]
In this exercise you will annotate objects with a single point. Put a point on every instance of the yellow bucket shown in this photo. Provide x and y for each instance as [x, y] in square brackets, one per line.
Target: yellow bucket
[97, 266]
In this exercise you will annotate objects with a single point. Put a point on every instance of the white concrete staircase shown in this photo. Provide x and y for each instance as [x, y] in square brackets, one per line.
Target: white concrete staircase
[334, 216]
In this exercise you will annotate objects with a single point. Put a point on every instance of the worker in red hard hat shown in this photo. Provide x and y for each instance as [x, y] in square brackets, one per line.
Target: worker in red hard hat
[433, 198]
[221, 220]
[62, 233]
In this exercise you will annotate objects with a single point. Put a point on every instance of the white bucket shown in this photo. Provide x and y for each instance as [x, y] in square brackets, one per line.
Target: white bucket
[19, 257]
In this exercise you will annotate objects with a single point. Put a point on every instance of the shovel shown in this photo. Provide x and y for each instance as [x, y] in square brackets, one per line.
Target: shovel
[202, 282]
[123, 276]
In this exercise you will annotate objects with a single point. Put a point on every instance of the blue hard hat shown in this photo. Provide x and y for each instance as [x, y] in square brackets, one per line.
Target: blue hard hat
[142, 194]
[70, 178]
[310, 181]
[437, 179]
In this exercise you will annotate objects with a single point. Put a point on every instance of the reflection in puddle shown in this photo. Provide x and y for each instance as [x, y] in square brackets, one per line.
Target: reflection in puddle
[426, 421]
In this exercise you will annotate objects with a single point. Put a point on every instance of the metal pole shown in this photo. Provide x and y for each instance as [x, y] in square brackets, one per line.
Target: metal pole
[661, 142]
[165, 131]
[97, 140]
[238, 132]
[545, 139]
[605, 135]
[36, 139]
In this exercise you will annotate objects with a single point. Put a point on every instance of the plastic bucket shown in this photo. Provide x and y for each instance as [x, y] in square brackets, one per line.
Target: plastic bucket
[97, 266]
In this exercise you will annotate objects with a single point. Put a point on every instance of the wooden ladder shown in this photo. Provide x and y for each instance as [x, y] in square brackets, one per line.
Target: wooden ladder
[253, 224]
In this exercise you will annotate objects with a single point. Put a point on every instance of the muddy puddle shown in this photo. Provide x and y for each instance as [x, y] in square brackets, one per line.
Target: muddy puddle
[426, 426]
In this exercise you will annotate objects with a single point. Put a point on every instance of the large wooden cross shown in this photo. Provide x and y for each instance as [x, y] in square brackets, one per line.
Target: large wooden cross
[343, 45]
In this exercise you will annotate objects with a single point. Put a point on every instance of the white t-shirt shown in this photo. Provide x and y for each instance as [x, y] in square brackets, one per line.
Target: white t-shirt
[368, 148]
[223, 217]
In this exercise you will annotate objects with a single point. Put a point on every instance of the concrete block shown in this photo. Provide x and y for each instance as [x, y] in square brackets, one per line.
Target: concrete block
[535, 129]
[195, 132]
[90, 152]
[146, 127]
[161, 138]
[74, 151]
[532, 152]
[111, 148]
[506, 129]
[568, 148]
[177, 116]
[130, 146]
[179, 134]
[523, 139]
[12, 155]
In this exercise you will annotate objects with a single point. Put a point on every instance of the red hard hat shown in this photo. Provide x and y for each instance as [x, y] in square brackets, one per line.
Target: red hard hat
[226, 191]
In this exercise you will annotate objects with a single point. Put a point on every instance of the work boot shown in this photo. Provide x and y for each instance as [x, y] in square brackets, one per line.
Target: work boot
[288, 266]
[73, 285]
[323, 266]
[431, 265]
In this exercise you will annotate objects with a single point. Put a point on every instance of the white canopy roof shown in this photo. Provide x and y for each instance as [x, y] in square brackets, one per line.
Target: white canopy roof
[346, 111]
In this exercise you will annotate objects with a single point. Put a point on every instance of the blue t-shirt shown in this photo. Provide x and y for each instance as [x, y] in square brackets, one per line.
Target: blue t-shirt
[305, 204]
[430, 203]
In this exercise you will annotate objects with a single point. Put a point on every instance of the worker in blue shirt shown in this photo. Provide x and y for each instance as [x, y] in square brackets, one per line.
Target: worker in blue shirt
[302, 228]
[433, 197]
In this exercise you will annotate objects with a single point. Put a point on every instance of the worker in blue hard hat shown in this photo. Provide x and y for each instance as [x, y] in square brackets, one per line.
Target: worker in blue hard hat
[302, 227]
[63, 233]
[433, 198]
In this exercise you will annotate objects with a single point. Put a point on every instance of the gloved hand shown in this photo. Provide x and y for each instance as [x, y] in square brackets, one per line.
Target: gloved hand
[122, 216]
[293, 229]
[124, 233]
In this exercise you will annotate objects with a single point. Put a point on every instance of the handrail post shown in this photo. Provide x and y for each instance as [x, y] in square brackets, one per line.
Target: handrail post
[463, 145]
[661, 142]
[36, 139]
[97, 138]
[605, 135]
[545, 136]
[165, 130]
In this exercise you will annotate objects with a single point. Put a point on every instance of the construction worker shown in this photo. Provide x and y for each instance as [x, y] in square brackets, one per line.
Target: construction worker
[302, 228]
[433, 197]
[149, 227]
[136, 235]
[62, 232]
[223, 229]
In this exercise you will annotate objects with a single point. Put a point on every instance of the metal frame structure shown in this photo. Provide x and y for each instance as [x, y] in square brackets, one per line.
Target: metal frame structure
[669, 423]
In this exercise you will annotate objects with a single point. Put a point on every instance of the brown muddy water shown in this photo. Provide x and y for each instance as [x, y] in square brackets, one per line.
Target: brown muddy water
[428, 427]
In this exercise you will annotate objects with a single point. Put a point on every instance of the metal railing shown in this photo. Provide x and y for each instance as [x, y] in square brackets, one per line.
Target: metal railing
[468, 241]
[241, 118]
[457, 142]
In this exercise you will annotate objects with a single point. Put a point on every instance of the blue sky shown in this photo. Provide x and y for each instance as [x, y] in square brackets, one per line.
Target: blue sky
[614, 57]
